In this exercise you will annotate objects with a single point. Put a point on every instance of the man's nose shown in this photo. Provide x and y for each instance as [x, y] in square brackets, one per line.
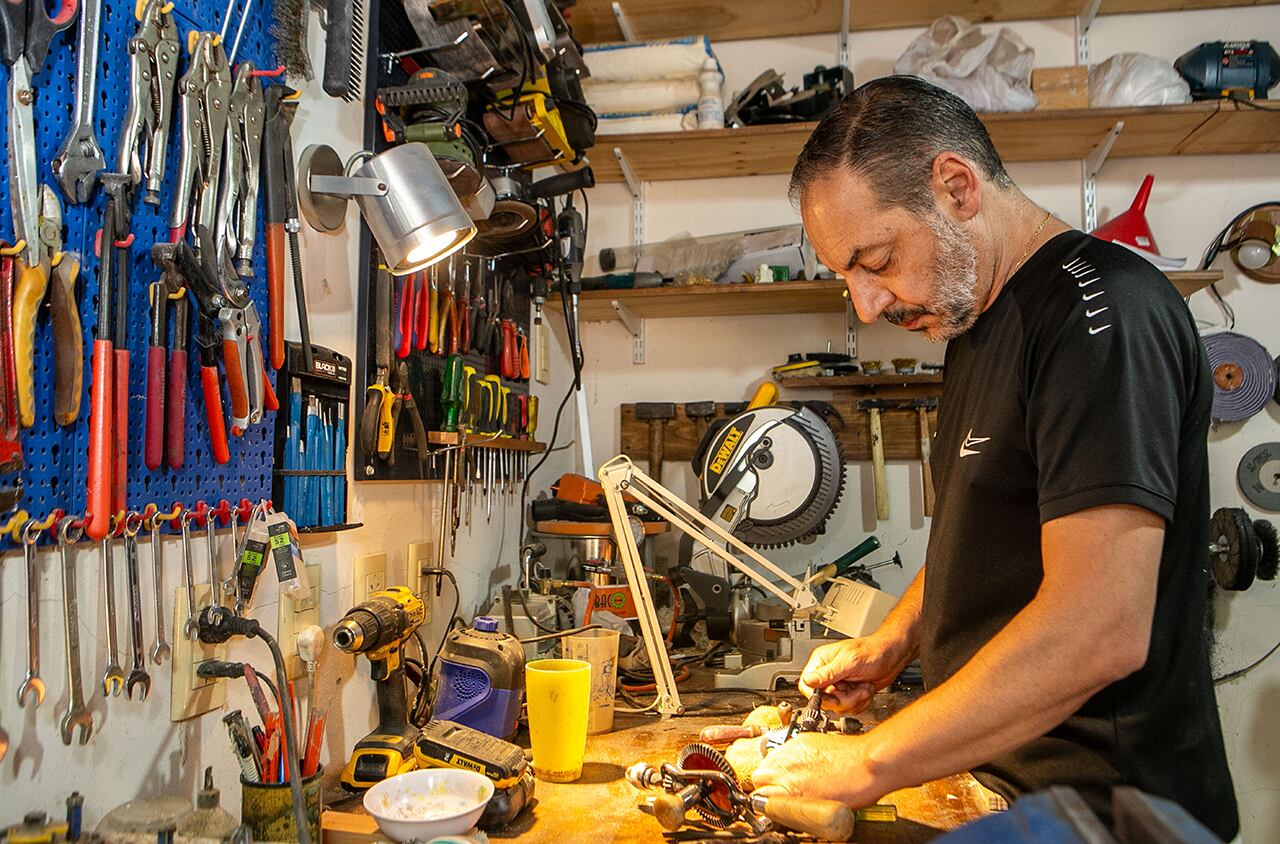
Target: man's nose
[869, 299]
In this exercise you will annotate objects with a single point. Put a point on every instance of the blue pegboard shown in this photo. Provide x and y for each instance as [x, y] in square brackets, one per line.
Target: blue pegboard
[56, 457]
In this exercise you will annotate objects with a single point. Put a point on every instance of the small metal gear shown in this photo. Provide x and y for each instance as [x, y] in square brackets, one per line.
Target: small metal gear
[716, 808]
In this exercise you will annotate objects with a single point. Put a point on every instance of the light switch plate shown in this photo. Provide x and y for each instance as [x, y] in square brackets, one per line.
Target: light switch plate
[295, 615]
[191, 695]
[370, 576]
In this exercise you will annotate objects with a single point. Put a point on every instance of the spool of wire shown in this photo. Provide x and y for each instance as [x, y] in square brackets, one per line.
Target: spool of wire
[1244, 375]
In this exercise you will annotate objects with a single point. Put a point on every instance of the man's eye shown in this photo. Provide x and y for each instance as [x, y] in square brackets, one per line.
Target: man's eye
[879, 268]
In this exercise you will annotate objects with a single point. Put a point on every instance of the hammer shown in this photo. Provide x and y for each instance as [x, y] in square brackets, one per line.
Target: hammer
[701, 413]
[873, 408]
[923, 406]
[656, 414]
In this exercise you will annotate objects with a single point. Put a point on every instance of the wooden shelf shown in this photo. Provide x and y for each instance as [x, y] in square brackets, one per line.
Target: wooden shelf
[728, 20]
[883, 380]
[1204, 128]
[482, 441]
[781, 297]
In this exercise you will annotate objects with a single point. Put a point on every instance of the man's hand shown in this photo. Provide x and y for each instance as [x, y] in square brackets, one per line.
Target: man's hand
[850, 671]
[823, 765]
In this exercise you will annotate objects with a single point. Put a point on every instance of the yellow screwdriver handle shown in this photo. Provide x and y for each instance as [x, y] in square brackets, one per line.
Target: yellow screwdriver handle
[33, 282]
[386, 423]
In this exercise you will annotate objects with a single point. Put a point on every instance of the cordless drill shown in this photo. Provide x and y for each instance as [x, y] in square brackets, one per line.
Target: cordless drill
[378, 628]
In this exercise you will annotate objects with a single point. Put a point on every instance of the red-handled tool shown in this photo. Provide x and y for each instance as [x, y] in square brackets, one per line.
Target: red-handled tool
[422, 316]
[522, 353]
[176, 400]
[10, 446]
[406, 311]
[509, 365]
[157, 363]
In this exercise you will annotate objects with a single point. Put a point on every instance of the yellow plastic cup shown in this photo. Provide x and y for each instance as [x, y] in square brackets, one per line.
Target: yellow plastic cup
[558, 692]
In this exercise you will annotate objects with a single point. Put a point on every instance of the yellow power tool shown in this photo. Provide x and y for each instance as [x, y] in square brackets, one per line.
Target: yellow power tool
[378, 628]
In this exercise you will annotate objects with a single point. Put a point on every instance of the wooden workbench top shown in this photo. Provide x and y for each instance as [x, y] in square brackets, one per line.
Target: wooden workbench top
[602, 806]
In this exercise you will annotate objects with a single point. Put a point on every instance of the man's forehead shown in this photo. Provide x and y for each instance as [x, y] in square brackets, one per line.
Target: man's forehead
[842, 216]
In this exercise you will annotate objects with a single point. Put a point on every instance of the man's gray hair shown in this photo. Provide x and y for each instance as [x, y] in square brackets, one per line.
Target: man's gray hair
[889, 131]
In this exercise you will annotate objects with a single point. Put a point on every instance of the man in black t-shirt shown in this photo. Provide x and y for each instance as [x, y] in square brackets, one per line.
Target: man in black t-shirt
[1060, 617]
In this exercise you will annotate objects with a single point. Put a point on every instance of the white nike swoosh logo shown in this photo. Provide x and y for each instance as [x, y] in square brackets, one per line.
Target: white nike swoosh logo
[1085, 283]
[1099, 329]
[1092, 295]
[1093, 313]
[971, 440]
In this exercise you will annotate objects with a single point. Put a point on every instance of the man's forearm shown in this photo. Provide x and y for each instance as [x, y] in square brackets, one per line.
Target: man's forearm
[903, 622]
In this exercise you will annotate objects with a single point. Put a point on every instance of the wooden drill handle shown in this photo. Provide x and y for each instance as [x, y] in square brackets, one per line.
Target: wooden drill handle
[29, 293]
[926, 450]
[68, 342]
[825, 820]
[877, 465]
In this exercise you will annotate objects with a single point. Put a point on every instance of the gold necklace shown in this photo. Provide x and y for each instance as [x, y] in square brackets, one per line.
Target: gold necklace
[1032, 242]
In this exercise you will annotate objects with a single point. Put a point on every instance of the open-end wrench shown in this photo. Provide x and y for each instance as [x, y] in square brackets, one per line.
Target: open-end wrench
[230, 585]
[112, 675]
[159, 647]
[32, 684]
[138, 676]
[78, 715]
[191, 629]
[80, 158]
[215, 595]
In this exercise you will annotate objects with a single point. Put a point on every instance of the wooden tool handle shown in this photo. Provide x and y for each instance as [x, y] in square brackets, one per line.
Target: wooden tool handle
[825, 820]
[29, 293]
[669, 811]
[68, 342]
[877, 465]
[657, 441]
[726, 733]
[926, 450]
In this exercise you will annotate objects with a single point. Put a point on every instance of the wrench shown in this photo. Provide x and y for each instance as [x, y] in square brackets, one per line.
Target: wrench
[112, 675]
[78, 714]
[191, 629]
[231, 585]
[80, 158]
[32, 682]
[159, 648]
[138, 676]
[215, 598]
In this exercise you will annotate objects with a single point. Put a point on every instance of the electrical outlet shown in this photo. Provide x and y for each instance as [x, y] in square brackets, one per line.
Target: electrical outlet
[295, 615]
[420, 556]
[370, 575]
[191, 695]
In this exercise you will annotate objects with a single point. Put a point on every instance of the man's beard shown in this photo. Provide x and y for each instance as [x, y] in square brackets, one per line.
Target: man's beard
[955, 281]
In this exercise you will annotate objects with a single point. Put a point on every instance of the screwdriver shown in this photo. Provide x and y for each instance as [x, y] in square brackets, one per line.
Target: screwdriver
[451, 391]
[470, 398]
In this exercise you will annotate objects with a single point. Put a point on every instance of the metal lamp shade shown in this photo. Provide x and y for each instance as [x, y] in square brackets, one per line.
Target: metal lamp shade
[418, 220]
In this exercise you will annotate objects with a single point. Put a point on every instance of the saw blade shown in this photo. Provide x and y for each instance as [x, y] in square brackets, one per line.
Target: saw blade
[716, 805]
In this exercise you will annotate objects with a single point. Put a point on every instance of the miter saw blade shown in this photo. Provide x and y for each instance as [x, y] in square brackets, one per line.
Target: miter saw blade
[716, 806]
[799, 478]
[1259, 476]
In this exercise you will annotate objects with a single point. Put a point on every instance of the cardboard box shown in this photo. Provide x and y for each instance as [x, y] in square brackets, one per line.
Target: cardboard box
[1060, 87]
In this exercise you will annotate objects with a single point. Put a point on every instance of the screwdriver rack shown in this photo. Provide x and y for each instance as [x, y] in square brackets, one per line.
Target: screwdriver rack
[56, 457]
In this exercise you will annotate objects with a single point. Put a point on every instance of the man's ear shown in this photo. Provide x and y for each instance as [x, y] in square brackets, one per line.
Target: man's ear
[957, 186]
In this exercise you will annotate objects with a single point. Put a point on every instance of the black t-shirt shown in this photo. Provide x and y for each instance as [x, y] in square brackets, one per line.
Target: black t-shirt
[1084, 384]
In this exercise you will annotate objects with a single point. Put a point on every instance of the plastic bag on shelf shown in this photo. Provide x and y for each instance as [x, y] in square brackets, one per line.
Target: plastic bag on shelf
[989, 72]
[1136, 79]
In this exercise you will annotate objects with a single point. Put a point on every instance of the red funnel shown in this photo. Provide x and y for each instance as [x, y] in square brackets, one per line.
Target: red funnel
[1131, 228]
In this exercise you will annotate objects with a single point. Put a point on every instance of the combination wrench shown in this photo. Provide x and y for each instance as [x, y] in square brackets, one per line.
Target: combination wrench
[32, 684]
[138, 676]
[159, 647]
[78, 715]
[215, 596]
[80, 158]
[191, 629]
[112, 675]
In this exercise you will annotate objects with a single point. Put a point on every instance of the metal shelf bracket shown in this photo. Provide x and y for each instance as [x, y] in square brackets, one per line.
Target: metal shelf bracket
[1084, 20]
[637, 199]
[634, 323]
[1090, 167]
[624, 23]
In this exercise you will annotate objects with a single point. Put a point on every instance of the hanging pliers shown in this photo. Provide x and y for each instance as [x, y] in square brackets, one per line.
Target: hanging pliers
[153, 68]
[166, 364]
[204, 92]
[238, 203]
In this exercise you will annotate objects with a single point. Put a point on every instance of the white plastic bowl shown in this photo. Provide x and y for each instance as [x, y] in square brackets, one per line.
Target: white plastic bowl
[392, 802]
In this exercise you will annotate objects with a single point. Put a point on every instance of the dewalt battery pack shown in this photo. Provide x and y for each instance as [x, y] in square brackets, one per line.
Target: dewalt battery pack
[444, 744]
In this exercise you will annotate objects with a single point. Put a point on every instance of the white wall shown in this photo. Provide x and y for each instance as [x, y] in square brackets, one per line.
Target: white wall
[135, 750]
[725, 358]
